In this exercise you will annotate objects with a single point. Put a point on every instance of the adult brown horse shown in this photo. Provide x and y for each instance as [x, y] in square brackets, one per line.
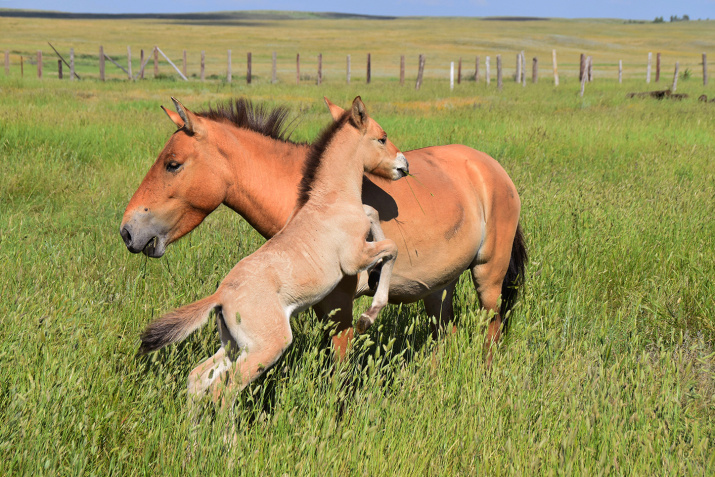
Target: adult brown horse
[460, 213]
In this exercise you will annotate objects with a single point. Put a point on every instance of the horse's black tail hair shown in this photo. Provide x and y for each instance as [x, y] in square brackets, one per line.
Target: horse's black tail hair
[515, 276]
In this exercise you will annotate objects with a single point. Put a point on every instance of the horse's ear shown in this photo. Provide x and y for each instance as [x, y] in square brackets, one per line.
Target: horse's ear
[174, 117]
[335, 111]
[359, 114]
[192, 124]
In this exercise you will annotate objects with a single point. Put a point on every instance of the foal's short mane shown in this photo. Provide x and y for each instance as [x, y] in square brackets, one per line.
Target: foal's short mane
[243, 113]
[313, 161]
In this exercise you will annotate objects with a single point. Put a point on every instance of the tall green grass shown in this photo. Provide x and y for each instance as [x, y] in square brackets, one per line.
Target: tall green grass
[608, 367]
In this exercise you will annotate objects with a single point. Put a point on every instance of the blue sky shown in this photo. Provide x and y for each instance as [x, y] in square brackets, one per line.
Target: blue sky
[633, 9]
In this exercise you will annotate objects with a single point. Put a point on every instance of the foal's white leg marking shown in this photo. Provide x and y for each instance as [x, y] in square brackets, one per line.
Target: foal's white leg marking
[205, 374]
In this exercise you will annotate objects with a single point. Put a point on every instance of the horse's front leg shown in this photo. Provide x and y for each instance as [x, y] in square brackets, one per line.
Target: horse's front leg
[384, 250]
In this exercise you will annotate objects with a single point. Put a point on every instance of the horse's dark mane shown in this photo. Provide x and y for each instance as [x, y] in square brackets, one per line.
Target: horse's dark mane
[243, 113]
[312, 163]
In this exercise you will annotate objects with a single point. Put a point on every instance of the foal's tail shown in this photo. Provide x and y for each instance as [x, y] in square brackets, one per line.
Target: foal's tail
[515, 275]
[177, 325]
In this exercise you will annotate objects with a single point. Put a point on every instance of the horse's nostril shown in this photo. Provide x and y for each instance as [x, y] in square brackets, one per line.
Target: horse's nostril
[126, 236]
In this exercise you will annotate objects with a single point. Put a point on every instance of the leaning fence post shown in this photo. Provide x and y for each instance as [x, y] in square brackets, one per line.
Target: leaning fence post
[420, 72]
[368, 68]
[72, 64]
[499, 73]
[476, 69]
[101, 63]
[535, 70]
[556, 70]
[402, 70]
[347, 71]
[657, 67]
[675, 78]
[297, 68]
[273, 69]
[320, 68]
[248, 68]
[487, 73]
[203, 65]
[647, 72]
[705, 69]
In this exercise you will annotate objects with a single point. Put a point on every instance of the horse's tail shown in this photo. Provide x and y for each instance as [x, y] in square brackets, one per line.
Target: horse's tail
[515, 275]
[177, 325]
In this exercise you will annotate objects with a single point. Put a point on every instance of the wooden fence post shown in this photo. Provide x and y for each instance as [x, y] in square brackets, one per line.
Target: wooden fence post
[523, 69]
[248, 68]
[582, 67]
[499, 73]
[368, 68]
[129, 61]
[705, 69]
[228, 68]
[39, 64]
[320, 68]
[535, 70]
[589, 68]
[459, 71]
[620, 71]
[59, 69]
[420, 72]
[585, 75]
[556, 70]
[101, 63]
[476, 69]
[347, 74]
[647, 72]
[72, 78]
[451, 75]
[22, 67]
[486, 70]
[156, 62]
[517, 76]
[142, 64]
[675, 78]
[402, 70]
[297, 68]
[657, 67]
[7, 62]
[274, 71]
[203, 65]
[184, 65]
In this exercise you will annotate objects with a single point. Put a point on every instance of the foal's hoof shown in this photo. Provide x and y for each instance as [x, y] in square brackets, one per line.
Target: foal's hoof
[363, 323]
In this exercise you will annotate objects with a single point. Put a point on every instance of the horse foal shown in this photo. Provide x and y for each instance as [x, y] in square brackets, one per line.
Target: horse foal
[325, 240]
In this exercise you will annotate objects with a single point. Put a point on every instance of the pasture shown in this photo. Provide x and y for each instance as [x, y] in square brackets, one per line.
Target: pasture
[608, 368]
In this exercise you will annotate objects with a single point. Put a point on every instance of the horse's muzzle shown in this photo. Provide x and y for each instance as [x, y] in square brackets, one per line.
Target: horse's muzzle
[150, 245]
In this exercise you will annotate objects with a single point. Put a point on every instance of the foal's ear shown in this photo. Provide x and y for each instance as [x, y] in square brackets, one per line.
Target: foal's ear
[192, 123]
[359, 114]
[174, 117]
[335, 111]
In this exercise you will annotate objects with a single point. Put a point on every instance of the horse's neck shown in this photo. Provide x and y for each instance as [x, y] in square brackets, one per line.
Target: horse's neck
[341, 171]
[264, 183]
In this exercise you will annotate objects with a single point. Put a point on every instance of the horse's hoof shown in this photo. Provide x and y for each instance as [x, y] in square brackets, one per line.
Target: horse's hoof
[363, 323]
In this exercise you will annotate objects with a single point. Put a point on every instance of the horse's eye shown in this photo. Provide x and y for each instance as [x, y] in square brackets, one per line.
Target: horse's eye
[382, 140]
[173, 166]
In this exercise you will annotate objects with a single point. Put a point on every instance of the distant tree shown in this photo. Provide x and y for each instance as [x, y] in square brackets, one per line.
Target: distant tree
[658, 20]
[686, 18]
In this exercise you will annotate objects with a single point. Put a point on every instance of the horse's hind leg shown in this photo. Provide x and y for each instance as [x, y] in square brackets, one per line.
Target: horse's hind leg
[338, 307]
[488, 278]
[439, 305]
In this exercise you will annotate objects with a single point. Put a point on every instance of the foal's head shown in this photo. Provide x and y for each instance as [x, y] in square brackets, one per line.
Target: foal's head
[185, 184]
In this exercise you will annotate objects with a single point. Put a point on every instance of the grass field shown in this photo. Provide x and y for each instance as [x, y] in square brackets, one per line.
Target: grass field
[609, 367]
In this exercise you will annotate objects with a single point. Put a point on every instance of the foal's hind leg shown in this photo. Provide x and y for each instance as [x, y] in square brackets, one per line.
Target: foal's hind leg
[338, 307]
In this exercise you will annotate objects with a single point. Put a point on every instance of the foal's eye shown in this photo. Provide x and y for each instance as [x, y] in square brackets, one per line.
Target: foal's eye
[173, 166]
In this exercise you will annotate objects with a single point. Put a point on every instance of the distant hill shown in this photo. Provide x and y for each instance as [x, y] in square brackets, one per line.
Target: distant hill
[212, 16]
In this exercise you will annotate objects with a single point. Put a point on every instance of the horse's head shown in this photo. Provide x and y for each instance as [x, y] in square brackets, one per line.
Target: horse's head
[184, 185]
[381, 156]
